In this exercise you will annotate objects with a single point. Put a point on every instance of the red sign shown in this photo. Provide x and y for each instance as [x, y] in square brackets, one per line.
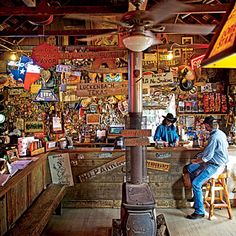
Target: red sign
[196, 62]
[46, 55]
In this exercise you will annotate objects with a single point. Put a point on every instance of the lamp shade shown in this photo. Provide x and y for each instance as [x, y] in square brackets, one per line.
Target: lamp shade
[138, 42]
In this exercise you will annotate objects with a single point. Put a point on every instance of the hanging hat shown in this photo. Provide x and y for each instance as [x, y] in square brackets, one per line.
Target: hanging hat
[170, 118]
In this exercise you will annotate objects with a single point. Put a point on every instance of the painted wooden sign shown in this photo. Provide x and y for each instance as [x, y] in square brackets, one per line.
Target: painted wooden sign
[93, 119]
[162, 155]
[102, 89]
[109, 166]
[227, 36]
[136, 142]
[114, 164]
[151, 78]
[136, 133]
[46, 55]
[156, 165]
[34, 126]
[63, 68]
[60, 169]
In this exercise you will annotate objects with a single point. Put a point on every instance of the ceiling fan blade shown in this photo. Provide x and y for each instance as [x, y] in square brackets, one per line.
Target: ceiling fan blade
[183, 29]
[95, 37]
[96, 19]
[164, 10]
[153, 36]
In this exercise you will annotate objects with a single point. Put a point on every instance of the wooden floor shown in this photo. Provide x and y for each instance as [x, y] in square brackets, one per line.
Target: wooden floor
[97, 222]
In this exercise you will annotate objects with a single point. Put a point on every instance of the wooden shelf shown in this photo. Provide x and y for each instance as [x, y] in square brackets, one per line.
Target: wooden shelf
[37, 151]
[201, 114]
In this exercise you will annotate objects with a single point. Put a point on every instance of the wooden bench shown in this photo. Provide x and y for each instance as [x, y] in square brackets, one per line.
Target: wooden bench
[36, 217]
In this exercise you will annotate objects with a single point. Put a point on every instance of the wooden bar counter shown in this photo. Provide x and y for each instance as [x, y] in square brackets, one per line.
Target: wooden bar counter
[98, 176]
[21, 190]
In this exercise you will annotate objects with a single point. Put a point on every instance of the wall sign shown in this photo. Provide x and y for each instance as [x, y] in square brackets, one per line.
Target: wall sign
[109, 166]
[136, 142]
[162, 155]
[60, 169]
[102, 89]
[93, 119]
[34, 126]
[136, 133]
[46, 95]
[114, 164]
[46, 55]
[156, 165]
[151, 78]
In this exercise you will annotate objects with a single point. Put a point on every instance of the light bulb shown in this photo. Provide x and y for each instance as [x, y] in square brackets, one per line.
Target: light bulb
[13, 56]
[170, 55]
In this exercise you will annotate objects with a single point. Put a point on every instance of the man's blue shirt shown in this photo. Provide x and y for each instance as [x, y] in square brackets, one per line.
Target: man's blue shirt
[166, 133]
[216, 150]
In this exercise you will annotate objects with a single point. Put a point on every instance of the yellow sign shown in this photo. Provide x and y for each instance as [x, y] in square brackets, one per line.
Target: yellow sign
[227, 35]
[157, 165]
[222, 51]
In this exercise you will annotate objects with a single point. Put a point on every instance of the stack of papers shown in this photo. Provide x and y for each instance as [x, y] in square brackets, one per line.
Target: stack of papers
[13, 168]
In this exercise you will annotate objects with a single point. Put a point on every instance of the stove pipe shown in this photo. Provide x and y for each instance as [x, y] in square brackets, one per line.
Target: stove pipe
[138, 204]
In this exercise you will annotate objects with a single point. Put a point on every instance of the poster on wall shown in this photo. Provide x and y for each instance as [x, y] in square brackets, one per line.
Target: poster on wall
[60, 169]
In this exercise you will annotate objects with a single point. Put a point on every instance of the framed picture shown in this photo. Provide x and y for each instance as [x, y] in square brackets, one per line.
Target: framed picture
[57, 124]
[34, 126]
[12, 154]
[177, 52]
[187, 40]
[93, 119]
[146, 90]
[60, 169]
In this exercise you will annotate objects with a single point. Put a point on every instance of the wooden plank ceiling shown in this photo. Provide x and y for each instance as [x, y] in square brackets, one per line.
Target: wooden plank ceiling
[24, 19]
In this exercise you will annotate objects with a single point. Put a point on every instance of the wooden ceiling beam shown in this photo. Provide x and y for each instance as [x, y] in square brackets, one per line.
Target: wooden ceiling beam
[47, 10]
[98, 10]
[46, 33]
[206, 9]
[198, 19]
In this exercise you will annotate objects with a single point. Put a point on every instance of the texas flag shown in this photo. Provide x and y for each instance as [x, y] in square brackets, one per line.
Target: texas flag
[32, 75]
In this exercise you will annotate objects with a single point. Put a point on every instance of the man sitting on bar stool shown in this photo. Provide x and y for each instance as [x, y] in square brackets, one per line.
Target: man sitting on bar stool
[211, 160]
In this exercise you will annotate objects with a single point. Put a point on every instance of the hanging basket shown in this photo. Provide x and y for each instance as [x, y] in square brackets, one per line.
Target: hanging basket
[41, 20]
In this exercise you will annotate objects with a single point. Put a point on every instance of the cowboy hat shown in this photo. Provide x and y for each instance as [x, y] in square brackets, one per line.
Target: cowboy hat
[170, 117]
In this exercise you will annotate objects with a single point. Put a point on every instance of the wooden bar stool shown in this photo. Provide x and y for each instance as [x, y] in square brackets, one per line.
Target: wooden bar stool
[216, 195]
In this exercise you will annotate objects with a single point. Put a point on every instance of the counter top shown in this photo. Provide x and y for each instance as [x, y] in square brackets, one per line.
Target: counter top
[149, 149]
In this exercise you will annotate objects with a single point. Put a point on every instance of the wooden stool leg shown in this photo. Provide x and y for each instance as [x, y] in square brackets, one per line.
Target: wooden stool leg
[206, 195]
[211, 208]
[226, 195]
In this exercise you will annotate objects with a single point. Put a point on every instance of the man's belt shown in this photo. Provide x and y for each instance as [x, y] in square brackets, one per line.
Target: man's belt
[213, 163]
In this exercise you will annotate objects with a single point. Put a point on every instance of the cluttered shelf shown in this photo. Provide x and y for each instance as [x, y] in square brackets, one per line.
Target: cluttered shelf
[202, 114]
[77, 144]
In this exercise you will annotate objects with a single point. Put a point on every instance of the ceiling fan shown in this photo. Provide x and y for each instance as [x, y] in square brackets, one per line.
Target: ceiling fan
[138, 27]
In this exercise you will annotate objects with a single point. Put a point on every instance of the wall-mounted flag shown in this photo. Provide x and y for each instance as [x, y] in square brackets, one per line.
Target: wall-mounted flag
[32, 75]
[18, 69]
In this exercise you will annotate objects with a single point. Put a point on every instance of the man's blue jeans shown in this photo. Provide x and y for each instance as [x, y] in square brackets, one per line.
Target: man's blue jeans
[199, 174]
